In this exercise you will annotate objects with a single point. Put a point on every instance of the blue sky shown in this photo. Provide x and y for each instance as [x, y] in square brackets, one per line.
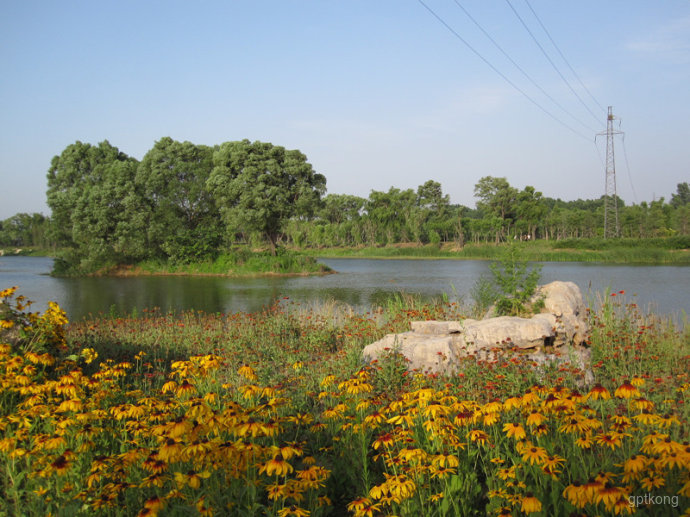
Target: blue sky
[376, 93]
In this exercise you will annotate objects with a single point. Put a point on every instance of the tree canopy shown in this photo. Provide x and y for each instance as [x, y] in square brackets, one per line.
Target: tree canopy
[186, 202]
[87, 188]
[179, 214]
[258, 186]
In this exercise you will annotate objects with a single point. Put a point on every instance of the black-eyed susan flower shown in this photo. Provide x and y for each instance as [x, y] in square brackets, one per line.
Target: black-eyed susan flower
[598, 392]
[535, 418]
[358, 504]
[635, 463]
[627, 391]
[464, 418]
[534, 455]
[478, 436]
[576, 494]
[276, 466]
[530, 504]
[155, 504]
[646, 417]
[445, 460]
[170, 451]
[608, 495]
[61, 465]
[513, 430]
[623, 506]
[667, 420]
[191, 478]
[653, 481]
[611, 440]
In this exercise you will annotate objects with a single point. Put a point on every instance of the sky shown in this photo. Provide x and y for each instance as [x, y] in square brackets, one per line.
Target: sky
[376, 93]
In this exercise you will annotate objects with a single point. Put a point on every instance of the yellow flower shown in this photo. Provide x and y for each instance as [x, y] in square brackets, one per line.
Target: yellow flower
[534, 455]
[507, 473]
[202, 508]
[358, 504]
[191, 478]
[478, 436]
[598, 392]
[6, 293]
[530, 504]
[627, 391]
[611, 440]
[276, 466]
[89, 355]
[637, 381]
[294, 511]
[247, 372]
[445, 460]
[636, 463]
[652, 481]
[576, 494]
[608, 494]
[535, 419]
[514, 431]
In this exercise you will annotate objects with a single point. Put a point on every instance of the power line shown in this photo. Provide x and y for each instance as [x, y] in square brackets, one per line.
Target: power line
[563, 57]
[519, 67]
[627, 166]
[551, 61]
[488, 63]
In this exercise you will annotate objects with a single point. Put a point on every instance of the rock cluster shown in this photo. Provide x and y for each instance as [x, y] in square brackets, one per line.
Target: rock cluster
[557, 333]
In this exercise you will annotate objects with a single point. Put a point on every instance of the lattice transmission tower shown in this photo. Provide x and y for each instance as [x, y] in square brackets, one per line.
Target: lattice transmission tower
[611, 228]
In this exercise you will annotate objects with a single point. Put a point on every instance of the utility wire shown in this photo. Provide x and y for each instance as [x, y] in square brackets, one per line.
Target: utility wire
[520, 68]
[551, 61]
[564, 59]
[511, 83]
[627, 166]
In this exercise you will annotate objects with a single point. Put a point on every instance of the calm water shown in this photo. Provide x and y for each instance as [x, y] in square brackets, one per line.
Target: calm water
[359, 282]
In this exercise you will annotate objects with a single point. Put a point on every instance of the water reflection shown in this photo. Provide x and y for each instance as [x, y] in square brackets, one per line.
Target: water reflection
[360, 283]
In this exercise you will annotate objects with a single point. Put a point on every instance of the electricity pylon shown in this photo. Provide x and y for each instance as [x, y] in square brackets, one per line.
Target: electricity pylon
[611, 228]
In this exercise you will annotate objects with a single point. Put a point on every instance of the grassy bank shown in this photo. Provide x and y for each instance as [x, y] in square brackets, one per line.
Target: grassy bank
[620, 251]
[274, 414]
[239, 263]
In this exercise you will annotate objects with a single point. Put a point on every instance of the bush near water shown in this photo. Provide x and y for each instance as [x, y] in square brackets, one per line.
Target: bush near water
[273, 414]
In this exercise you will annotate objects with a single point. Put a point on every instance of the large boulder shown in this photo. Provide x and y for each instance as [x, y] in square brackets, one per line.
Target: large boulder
[558, 333]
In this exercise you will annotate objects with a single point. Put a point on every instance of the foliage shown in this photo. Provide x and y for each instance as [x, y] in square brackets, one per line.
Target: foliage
[89, 188]
[28, 332]
[25, 230]
[515, 284]
[187, 203]
[258, 186]
[682, 195]
[178, 214]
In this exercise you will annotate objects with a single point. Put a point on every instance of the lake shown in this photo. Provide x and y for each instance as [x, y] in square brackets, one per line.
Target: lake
[362, 283]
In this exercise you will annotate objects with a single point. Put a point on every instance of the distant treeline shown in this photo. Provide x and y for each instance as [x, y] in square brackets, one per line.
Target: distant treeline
[184, 203]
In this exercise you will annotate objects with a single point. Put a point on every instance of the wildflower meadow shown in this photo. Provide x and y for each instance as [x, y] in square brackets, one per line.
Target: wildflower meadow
[273, 413]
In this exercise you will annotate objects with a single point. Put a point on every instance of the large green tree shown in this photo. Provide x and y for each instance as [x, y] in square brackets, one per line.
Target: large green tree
[530, 210]
[496, 198]
[179, 216]
[258, 186]
[25, 230]
[87, 188]
[682, 195]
